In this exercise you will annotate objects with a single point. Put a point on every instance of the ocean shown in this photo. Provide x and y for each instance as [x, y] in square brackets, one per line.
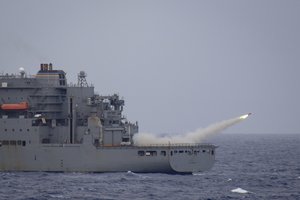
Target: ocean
[248, 166]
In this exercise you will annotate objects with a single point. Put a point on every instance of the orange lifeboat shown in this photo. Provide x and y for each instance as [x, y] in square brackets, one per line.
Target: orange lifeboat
[15, 106]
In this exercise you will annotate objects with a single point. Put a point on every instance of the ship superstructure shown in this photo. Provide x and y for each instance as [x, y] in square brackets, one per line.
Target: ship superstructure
[47, 124]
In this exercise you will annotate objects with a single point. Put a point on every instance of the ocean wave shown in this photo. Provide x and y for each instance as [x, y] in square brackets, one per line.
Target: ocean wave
[240, 190]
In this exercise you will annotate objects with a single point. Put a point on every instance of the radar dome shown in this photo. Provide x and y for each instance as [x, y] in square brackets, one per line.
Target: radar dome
[22, 72]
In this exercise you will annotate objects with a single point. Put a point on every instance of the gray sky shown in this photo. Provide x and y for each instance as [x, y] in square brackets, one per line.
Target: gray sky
[180, 65]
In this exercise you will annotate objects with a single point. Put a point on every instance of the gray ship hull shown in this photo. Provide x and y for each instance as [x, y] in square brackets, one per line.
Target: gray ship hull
[86, 158]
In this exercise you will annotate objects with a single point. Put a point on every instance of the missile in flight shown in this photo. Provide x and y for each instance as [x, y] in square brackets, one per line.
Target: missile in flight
[245, 116]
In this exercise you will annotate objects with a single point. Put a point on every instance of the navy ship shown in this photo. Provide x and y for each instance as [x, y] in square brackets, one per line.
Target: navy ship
[47, 124]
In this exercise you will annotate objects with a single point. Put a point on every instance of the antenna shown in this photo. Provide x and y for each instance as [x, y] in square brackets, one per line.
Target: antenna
[82, 79]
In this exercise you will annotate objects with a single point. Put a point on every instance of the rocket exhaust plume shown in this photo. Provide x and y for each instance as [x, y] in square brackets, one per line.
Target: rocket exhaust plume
[197, 136]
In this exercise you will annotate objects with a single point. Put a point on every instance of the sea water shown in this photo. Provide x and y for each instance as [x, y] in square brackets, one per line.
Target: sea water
[252, 166]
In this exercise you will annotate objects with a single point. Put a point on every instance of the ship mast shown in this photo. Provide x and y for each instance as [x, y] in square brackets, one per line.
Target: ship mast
[82, 79]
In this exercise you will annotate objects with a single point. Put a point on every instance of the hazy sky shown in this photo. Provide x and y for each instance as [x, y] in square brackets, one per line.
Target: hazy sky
[180, 65]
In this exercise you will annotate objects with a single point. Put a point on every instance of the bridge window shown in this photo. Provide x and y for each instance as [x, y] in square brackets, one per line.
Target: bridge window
[141, 153]
[45, 141]
[163, 153]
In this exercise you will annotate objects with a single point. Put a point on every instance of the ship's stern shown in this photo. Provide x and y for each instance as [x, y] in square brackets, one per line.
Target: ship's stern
[192, 159]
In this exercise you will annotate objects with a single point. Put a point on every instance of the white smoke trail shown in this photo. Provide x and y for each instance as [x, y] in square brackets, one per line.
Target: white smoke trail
[197, 136]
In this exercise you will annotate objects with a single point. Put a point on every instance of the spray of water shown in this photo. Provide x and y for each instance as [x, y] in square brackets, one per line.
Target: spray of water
[197, 136]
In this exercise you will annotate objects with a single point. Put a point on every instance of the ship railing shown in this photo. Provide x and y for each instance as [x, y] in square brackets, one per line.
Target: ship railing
[12, 76]
[176, 145]
[78, 86]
